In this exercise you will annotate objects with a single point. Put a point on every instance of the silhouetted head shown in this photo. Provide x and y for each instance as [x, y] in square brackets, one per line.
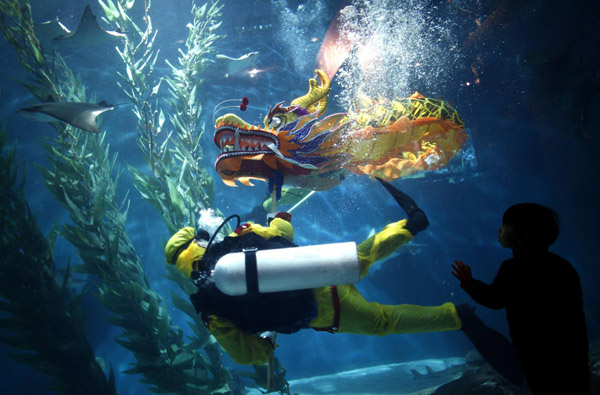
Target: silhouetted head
[534, 225]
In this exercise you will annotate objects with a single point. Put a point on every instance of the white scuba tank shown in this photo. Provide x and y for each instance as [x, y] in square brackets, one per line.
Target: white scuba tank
[286, 269]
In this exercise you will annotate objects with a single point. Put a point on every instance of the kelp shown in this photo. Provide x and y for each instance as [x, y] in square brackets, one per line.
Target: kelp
[42, 316]
[83, 177]
[185, 85]
[177, 183]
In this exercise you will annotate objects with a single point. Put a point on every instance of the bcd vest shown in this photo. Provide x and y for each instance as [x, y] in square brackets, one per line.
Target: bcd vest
[284, 312]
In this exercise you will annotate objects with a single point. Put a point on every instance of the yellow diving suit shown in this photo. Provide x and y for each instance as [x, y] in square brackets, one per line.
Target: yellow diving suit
[338, 309]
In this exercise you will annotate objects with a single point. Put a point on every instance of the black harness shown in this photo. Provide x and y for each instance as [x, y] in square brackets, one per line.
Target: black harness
[284, 312]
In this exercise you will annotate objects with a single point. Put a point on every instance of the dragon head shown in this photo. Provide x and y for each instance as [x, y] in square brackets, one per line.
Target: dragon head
[283, 144]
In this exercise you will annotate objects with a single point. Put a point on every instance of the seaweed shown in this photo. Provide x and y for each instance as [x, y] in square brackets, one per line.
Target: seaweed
[83, 177]
[44, 319]
[177, 184]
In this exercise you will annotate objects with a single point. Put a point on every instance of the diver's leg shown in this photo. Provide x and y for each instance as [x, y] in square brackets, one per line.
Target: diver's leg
[496, 349]
[382, 244]
[385, 242]
[417, 220]
[369, 318]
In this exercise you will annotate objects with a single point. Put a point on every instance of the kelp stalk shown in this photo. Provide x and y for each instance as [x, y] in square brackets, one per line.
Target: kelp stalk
[178, 186]
[83, 177]
[44, 318]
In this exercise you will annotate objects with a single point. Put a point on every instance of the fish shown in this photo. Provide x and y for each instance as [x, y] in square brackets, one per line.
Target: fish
[88, 33]
[80, 115]
[395, 378]
[235, 65]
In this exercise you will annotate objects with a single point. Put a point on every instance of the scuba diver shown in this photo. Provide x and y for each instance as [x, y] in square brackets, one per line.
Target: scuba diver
[243, 319]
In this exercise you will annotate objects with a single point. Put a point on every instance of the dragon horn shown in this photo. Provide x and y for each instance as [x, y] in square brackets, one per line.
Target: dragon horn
[316, 98]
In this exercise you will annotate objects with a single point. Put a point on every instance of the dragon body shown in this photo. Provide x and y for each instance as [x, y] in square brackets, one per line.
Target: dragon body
[389, 139]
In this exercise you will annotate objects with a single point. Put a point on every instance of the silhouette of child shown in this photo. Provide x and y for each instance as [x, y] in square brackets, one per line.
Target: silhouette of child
[542, 296]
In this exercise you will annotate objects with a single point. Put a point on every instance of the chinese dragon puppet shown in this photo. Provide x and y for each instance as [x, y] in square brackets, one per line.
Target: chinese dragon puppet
[389, 139]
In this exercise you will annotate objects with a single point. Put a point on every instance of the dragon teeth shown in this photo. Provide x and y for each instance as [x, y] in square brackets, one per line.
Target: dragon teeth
[241, 143]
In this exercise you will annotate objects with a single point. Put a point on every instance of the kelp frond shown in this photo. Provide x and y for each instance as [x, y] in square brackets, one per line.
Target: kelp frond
[44, 319]
[177, 184]
[83, 177]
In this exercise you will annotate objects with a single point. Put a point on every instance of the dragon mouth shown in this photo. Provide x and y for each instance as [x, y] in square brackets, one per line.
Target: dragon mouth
[237, 138]
[241, 143]
[237, 141]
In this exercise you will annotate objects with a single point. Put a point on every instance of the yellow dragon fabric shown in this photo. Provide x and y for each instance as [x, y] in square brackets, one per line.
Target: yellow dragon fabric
[389, 139]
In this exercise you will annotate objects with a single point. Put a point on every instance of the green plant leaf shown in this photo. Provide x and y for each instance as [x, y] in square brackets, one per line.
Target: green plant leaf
[176, 197]
[109, 9]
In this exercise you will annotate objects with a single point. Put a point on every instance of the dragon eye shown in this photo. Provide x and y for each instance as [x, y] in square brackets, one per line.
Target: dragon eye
[275, 122]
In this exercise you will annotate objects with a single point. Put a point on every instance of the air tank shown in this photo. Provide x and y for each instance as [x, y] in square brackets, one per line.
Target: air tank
[286, 269]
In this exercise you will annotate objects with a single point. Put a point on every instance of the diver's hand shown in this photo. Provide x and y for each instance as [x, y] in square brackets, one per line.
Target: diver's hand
[270, 337]
[462, 272]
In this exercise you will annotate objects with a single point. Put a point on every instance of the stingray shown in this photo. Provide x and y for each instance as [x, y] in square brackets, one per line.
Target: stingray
[80, 115]
[233, 66]
[88, 33]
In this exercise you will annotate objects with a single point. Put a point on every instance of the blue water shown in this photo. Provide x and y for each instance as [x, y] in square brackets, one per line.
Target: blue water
[515, 84]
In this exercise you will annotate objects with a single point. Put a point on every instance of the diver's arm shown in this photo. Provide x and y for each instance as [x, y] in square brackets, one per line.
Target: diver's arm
[244, 348]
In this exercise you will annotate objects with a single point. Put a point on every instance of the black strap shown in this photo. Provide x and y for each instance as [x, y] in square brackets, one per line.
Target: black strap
[335, 302]
[251, 271]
